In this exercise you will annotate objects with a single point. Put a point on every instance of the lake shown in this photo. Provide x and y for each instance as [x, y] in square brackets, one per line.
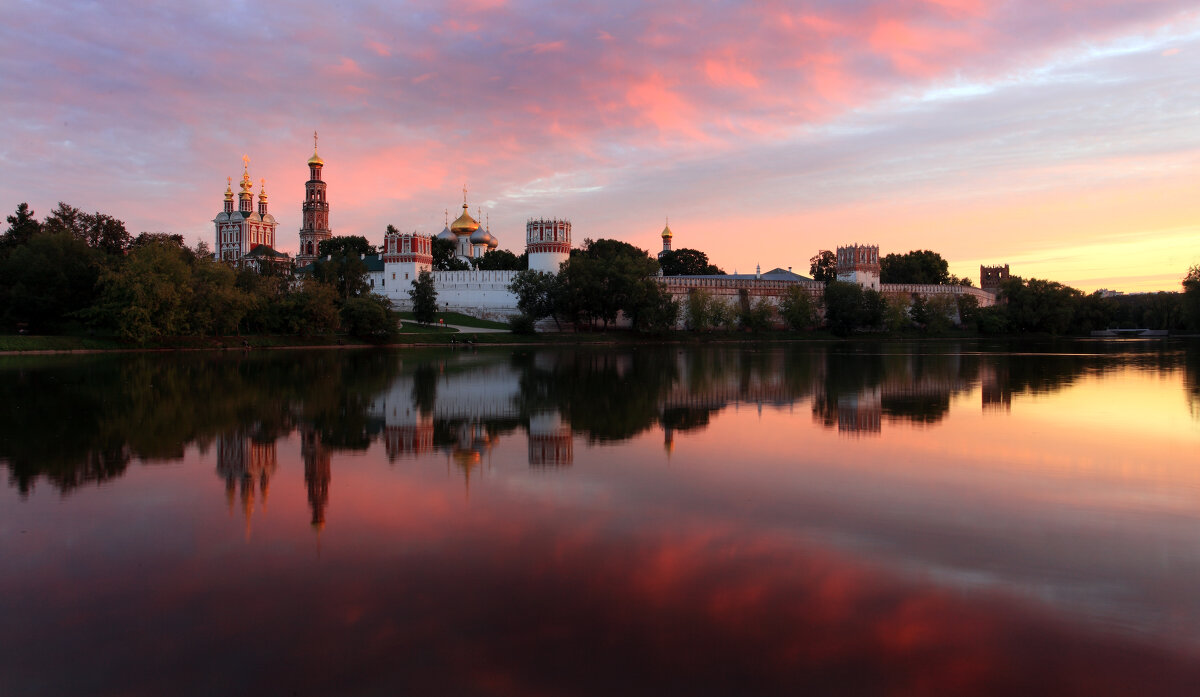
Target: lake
[842, 518]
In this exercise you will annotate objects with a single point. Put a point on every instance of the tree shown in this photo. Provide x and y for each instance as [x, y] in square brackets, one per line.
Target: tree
[22, 226]
[797, 308]
[346, 245]
[500, 260]
[444, 256]
[105, 233]
[823, 267]
[921, 266]
[843, 307]
[607, 277]
[755, 316]
[313, 309]
[340, 264]
[424, 298]
[1191, 297]
[687, 262]
[148, 296]
[369, 317]
[1037, 305]
[537, 294]
[65, 219]
[47, 279]
[217, 304]
[98, 230]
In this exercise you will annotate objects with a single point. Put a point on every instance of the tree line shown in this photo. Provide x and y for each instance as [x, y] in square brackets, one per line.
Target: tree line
[75, 271]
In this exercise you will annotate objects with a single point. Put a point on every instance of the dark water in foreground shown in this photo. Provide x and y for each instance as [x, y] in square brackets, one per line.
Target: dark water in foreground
[925, 519]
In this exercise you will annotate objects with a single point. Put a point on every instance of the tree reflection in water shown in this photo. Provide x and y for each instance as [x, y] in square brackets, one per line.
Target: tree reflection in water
[78, 420]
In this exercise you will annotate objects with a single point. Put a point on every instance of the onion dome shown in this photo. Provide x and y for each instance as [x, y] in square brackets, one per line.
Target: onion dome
[666, 233]
[493, 243]
[481, 236]
[465, 225]
[262, 193]
[229, 188]
[315, 159]
[445, 234]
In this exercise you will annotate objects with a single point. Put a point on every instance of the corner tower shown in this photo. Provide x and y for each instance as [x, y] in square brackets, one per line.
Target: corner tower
[859, 263]
[548, 243]
[315, 209]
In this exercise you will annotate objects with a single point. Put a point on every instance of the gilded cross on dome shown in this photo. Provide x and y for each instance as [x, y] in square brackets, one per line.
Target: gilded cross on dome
[246, 162]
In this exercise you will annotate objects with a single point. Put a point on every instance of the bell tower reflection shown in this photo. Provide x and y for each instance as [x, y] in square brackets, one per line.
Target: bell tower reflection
[246, 466]
[317, 474]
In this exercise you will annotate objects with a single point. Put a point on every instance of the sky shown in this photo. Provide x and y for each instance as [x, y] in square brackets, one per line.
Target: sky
[1060, 137]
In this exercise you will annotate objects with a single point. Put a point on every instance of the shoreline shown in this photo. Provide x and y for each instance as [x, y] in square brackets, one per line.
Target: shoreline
[554, 339]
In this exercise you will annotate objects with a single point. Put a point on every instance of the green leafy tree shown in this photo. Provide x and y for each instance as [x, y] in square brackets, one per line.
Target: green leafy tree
[445, 256]
[607, 277]
[346, 245]
[699, 310]
[823, 267]
[843, 307]
[501, 260]
[874, 306]
[369, 317]
[537, 294]
[424, 298]
[687, 262]
[313, 309]
[921, 266]
[341, 265]
[148, 296]
[755, 315]
[798, 309]
[46, 280]
[217, 304]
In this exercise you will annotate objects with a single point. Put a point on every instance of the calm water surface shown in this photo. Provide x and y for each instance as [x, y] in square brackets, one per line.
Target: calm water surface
[876, 519]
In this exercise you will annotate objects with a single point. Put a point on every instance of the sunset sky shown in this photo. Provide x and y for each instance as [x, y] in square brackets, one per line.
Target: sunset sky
[1060, 137]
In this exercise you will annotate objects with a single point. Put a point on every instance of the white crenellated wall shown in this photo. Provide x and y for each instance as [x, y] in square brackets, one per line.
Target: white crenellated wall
[481, 294]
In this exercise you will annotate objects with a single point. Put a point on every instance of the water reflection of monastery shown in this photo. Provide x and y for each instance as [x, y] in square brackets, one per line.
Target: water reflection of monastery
[461, 405]
[246, 463]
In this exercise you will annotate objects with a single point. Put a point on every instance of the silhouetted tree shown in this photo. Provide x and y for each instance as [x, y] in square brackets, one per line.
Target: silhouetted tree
[921, 266]
[687, 262]
[823, 267]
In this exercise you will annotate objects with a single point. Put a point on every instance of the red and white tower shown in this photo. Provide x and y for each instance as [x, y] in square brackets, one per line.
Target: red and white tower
[315, 211]
[405, 254]
[859, 263]
[548, 243]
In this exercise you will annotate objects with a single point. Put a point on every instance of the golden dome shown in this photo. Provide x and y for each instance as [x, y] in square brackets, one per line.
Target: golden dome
[465, 224]
[667, 233]
[315, 159]
[229, 189]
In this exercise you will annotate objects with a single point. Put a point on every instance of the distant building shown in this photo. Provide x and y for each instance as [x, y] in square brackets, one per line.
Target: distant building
[315, 211]
[859, 263]
[667, 235]
[992, 278]
[240, 232]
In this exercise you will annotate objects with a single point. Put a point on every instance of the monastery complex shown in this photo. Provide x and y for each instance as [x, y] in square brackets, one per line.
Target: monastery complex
[246, 237]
